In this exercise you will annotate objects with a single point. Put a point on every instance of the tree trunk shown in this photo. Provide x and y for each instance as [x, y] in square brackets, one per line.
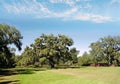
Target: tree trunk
[110, 60]
[51, 63]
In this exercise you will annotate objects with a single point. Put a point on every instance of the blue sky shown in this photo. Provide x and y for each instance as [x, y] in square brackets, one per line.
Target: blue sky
[85, 21]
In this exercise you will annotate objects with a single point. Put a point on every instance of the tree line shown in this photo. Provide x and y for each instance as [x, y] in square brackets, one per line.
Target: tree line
[54, 51]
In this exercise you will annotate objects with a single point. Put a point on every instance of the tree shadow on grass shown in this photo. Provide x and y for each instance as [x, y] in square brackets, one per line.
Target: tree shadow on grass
[7, 72]
[14, 71]
[10, 82]
[29, 70]
[4, 73]
[25, 71]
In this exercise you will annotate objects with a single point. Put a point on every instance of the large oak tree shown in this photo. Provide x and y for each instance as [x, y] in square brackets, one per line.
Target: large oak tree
[51, 50]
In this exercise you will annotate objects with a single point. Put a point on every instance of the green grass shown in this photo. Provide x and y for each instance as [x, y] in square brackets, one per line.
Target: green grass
[89, 75]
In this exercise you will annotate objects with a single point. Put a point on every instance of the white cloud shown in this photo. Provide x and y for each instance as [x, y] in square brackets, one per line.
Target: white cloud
[65, 14]
[93, 17]
[100, 19]
[115, 1]
[69, 2]
[26, 7]
[40, 10]
[81, 16]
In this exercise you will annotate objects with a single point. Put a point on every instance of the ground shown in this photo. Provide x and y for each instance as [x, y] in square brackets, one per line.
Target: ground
[86, 75]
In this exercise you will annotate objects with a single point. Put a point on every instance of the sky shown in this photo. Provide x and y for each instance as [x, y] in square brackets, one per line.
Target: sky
[85, 21]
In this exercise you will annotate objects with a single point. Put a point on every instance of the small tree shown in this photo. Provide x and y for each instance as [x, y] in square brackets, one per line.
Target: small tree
[85, 60]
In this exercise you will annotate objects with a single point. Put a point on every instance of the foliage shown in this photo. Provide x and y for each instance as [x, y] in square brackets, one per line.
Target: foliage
[107, 48]
[8, 35]
[50, 50]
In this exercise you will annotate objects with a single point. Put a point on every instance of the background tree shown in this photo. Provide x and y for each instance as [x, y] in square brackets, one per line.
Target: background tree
[107, 48]
[8, 35]
[73, 54]
[27, 57]
[86, 59]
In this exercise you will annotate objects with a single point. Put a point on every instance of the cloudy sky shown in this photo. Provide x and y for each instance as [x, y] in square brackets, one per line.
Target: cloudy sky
[85, 21]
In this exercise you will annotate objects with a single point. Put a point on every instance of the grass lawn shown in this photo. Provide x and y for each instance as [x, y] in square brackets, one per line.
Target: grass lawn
[88, 75]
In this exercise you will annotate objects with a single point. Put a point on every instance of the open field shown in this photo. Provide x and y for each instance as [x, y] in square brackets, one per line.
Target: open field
[88, 75]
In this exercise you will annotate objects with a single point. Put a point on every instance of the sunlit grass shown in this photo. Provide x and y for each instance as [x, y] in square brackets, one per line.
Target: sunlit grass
[48, 77]
[89, 75]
